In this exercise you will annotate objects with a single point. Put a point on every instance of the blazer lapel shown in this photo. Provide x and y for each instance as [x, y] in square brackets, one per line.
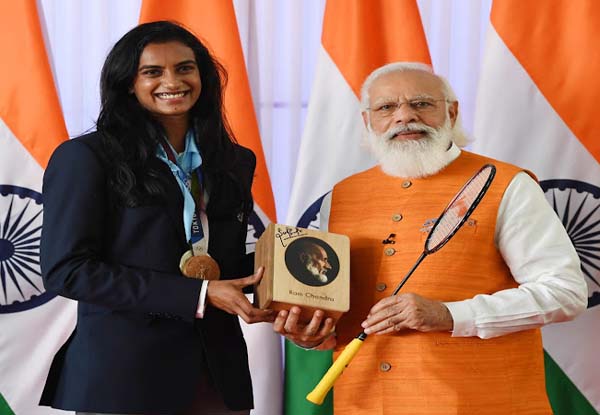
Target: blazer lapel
[174, 199]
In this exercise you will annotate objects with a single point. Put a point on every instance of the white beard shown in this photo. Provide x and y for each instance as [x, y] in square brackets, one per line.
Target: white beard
[321, 276]
[412, 158]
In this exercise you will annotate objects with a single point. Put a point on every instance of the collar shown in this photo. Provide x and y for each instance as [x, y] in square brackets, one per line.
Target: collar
[452, 153]
[187, 161]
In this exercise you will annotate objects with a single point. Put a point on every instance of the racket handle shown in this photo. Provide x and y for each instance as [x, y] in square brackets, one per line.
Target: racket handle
[320, 391]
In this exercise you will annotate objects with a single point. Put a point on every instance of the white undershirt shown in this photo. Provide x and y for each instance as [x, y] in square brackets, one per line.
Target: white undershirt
[541, 258]
[202, 300]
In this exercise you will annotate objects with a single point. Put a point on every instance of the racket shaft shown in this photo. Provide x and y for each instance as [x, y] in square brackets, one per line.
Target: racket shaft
[421, 258]
[320, 391]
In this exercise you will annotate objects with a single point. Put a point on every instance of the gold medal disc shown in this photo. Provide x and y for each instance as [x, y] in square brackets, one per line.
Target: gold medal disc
[199, 266]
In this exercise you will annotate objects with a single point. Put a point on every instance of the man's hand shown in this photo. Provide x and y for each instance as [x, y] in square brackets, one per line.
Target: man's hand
[407, 311]
[316, 333]
[227, 295]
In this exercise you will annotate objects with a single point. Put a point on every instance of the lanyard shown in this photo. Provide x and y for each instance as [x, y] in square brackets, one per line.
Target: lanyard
[193, 183]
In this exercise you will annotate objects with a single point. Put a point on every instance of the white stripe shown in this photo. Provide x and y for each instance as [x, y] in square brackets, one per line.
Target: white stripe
[265, 353]
[574, 346]
[265, 357]
[515, 123]
[529, 132]
[18, 167]
[331, 148]
[29, 340]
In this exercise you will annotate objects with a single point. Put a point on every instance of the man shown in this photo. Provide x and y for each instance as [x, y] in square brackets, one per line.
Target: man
[315, 264]
[462, 336]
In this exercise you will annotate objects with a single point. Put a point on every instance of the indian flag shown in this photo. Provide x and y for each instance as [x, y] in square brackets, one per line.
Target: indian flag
[537, 107]
[214, 22]
[358, 36]
[34, 324]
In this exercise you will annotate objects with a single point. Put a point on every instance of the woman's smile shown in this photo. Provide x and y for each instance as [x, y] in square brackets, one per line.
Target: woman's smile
[168, 80]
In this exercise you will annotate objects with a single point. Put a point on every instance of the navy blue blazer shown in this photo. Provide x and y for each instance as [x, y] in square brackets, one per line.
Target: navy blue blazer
[137, 347]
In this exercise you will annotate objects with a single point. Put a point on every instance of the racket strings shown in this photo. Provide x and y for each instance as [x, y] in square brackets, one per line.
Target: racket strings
[456, 211]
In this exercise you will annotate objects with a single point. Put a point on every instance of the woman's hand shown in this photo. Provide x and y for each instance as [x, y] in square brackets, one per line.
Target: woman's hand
[228, 296]
[318, 333]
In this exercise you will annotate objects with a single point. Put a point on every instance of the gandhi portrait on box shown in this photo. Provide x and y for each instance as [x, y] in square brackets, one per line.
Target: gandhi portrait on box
[309, 262]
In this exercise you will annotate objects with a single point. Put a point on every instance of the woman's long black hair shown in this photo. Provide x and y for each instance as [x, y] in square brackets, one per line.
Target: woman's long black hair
[131, 134]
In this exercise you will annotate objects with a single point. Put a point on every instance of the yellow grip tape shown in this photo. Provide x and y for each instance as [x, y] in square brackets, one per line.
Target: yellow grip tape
[320, 391]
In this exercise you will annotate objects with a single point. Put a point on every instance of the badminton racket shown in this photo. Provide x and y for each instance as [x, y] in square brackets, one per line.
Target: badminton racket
[448, 223]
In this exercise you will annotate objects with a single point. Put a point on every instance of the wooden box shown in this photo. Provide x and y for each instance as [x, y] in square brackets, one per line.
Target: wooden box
[303, 267]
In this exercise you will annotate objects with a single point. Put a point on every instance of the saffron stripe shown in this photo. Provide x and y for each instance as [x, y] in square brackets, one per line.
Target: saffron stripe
[28, 101]
[566, 35]
[363, 35]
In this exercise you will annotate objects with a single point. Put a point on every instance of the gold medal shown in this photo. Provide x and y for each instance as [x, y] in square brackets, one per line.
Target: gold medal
[199, 266]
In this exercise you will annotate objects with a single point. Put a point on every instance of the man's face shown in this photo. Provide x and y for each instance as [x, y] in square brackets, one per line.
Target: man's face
[317, 262]
[410, 123]
[401, 98]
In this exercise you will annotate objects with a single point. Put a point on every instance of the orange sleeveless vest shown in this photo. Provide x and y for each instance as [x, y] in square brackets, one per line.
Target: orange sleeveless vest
[429, 373]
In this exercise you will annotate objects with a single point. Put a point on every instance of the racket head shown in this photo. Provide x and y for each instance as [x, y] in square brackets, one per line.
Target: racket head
[460, 208]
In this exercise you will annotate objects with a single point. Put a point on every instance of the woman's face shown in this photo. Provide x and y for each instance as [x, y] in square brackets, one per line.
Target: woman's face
[167, 82]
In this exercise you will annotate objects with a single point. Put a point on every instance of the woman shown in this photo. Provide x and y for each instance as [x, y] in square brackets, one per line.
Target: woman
[120, 205]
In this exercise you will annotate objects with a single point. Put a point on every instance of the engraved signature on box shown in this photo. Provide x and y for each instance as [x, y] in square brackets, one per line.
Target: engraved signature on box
[289, 233]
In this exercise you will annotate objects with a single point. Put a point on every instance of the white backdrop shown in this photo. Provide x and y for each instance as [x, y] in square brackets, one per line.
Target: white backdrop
[280, 40]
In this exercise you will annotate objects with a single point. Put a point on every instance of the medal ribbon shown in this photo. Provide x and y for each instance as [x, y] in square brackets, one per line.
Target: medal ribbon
[193, 183]
[199, 238]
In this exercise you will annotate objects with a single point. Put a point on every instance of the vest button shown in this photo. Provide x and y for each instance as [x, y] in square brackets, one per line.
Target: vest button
[385, 367]
[389, 251]
[380, 286]
[406, 184]
[396, 217]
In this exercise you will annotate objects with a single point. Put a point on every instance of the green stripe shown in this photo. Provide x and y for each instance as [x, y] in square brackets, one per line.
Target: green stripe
[564, 396]
[303, 370]
[4, 408]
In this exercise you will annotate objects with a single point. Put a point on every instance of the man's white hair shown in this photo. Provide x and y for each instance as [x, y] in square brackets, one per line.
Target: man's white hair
[459, 136]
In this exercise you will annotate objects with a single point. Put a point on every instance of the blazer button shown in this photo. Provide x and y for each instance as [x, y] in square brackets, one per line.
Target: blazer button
[385, 367]
[380, 286]
[406, 184]
[396, 217]
[389, 251]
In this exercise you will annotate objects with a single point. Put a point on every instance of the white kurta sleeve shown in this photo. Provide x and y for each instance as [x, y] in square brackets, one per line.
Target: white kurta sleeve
[542, 260]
